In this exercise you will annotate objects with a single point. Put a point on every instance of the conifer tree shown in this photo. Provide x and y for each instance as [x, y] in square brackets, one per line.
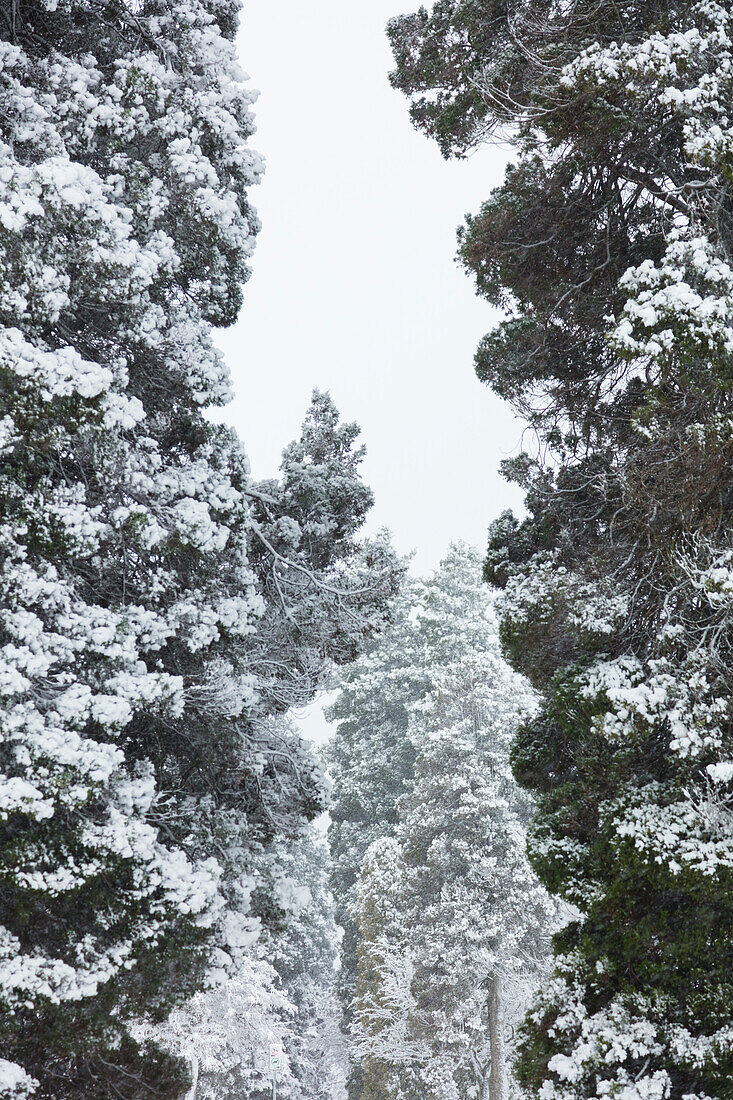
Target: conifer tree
[382, 994]
[157, 606]
[608, 246]
[305, 953]
[371, 760]
[451, 924]
[283, 993]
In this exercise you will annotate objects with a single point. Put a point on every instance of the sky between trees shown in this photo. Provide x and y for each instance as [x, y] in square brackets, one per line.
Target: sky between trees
[354, 287]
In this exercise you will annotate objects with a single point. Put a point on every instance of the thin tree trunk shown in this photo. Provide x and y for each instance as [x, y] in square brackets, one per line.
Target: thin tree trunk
[485, 1082]
[191, 1095]
[497, 1074]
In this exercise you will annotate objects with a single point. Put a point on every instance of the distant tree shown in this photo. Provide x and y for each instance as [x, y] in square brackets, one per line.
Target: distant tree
[224, 1034]
[283, 993]
[451, 924]
[305, 954]
[371, 760]
[609, 248]
[477, 920]
[383, 1000]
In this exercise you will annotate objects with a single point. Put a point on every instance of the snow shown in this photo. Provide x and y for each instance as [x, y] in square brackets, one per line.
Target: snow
[14, 1081]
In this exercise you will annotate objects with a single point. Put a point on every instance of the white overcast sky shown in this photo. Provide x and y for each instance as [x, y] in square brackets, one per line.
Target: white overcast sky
[355, 288]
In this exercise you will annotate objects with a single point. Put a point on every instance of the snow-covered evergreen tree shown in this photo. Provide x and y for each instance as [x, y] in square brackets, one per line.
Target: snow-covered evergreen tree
[305, 953]
[283, 993]
[452, 925]
[224, 1034]
[123, 141]
[371, 760]
[609, 245]
[384, 1003]
[155, 604]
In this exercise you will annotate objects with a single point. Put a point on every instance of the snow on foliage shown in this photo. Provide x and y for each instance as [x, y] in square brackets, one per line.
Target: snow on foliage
[608, 246]
[14, 1081]
[282, 994]
[157, 606]
[451, 925]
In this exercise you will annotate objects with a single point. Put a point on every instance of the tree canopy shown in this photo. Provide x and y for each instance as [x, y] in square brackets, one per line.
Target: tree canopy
[608, 249]
[447, 926]
[158, 607]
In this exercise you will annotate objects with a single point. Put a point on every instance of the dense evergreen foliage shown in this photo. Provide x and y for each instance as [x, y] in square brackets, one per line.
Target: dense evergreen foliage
[608, 247]
[165, 911]
[157, 607]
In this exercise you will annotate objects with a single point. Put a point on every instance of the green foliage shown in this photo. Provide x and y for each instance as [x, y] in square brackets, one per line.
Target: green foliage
[608, 246]
[157, 606]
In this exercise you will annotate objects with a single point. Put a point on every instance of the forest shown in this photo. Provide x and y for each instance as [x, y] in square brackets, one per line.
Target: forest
[507, 874]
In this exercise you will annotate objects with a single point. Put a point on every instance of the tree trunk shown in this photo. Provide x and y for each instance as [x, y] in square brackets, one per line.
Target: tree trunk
[497, 1074]
[485, 1082]
[191, 1095]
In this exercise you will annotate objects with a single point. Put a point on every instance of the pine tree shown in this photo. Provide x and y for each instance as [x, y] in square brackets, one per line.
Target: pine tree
[382, 993]
[477, 919]
[305, 954]
[224, 1034]
[150, 623]
[445, 906]
[608, 245]
[114, 495]
[371, 760]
